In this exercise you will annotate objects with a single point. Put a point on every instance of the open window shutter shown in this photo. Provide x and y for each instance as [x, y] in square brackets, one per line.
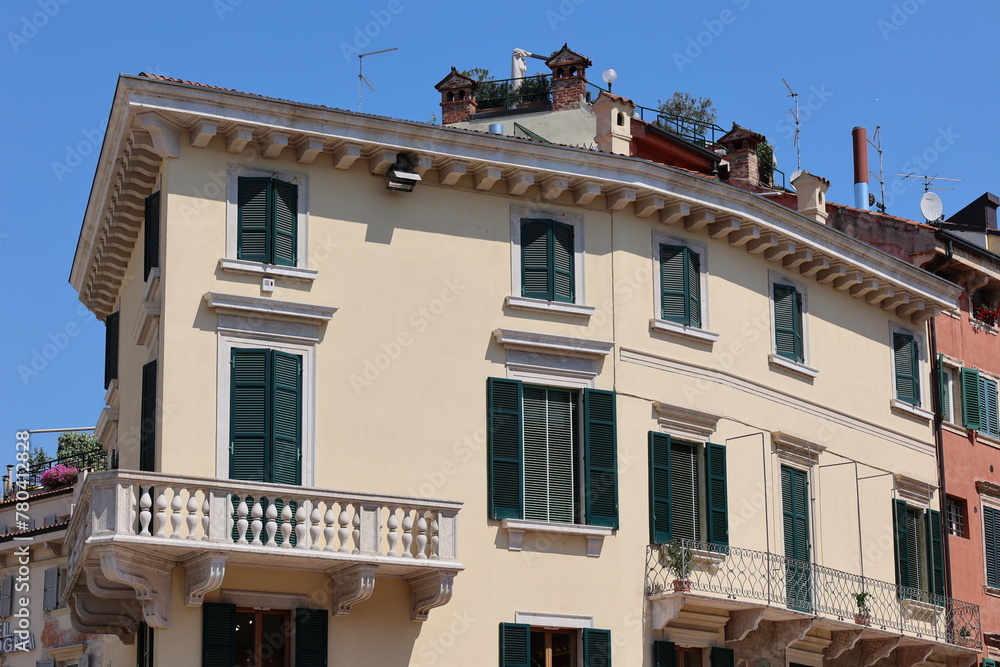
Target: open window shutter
[991, 536]
[252, 218]
[218, 635]
[935, 551]
[905, 361]
[787, 322]
[111, 349]
[50, 589]
[659, 489]
[286, 388]
[943, 397]
[989, 420]
[722, 657]
[694, 288]
[506, 461]
[674, 301]
[311, 637]
[596, 648]
[562, 262]
[144, 645]
[151, 256]
[901, 527]
[664, 654]
[147, 431]
[716, 498]
[285, 211]
[6, 591]
[515, 645]
[600, 458]
[535, 275]
[971, 403]
[250, 398]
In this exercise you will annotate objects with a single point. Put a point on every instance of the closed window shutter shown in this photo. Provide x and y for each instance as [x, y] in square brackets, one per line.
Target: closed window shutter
[50, 589]
[716, 500]
[249, 417]
[515, 645]
[971, 400]
[795, 516]
[989, 421]
[6, 592]
[45, 663]
[901, 528]
[151, 256]
[664, 654]
[144, 645]
[253, 212]
[218, 635]
[991, 536]
[943, 395]
[596, 648]
[659, 488]
[600, 458]
[722, 657]
[111, 349]
[685, 514]
[549, 445]
[904, 349]
[311, 637]
[675, 301]
[535, 255]
[935, 551]
[562, 263]
[504, 434]
[286, 419]
[787, 322]
[285, 207]
[147, 432]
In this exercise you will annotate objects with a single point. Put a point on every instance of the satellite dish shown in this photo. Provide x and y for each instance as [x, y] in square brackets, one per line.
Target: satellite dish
[931, 207]
[793, 177]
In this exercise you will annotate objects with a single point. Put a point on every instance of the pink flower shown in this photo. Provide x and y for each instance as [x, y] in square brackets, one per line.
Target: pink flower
[59, 475]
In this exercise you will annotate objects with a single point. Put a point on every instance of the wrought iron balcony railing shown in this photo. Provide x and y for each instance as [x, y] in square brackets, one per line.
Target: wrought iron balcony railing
[744, 574]
[511, 93]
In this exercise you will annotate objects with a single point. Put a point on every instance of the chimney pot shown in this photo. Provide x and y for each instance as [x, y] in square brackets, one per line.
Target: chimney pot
[811, 191]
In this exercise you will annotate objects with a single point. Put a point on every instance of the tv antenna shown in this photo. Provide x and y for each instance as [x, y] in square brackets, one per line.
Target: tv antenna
[876, 142]
[929, 180]
[362, 81]
[795, 116]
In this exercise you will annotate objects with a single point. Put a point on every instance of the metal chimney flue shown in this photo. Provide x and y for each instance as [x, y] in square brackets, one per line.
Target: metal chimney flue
[860, 136]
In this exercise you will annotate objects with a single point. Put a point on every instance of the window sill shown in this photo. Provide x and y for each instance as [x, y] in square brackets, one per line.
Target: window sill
[983, 326]
[993, 592]
[243, 267]
[516, 528]
[777, 361]
[682, 331]
[543, 306]
[911, 410]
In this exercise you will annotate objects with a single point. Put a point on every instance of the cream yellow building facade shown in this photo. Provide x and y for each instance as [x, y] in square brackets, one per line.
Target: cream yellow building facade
[437, 427]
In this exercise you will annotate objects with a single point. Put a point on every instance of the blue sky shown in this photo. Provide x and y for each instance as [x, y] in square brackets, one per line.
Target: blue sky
[924, 70]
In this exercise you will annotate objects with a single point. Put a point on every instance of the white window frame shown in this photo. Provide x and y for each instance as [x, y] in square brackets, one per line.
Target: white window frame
[918, 411]
[775, 360]
[657, 324]
[576, 309]
[231, 262]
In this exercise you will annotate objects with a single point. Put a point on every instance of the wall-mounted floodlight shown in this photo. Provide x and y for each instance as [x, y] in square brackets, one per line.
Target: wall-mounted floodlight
[401, 177]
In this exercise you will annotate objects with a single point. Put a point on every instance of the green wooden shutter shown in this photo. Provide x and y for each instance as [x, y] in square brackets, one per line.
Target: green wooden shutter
[147, 430]
[694, 288]
[253, 202]
[901, 528]
[50, 589]
[787, 322]
[6, 591]
[716, 502]
[45, 663]
[989, 420]
[144, 645]
[111, 338]
[563, 279]
[675, 302]
[907, 366]
[535, 274]
[504, 442]
[311, 637]
[600, 458]
[943, 396]
[722, 657]
[795, 516]
[515, 645]
[991, 536]
[935, 551]
[659, 488]
[664, 654]
[151, 254]
[218, 635]
[685, 510]
[248, 421]
[971, 400]
[596, 648]
[285, 222]
[286, 419]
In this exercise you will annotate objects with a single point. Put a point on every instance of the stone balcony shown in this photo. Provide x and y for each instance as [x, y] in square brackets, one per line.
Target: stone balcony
[130, 529]
[811, 611]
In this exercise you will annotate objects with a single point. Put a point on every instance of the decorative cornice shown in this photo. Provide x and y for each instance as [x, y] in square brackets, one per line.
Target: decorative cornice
[986, 488]
[796, 450]
[913, 490]
[539, 343]
[686, 423]
[269, 309]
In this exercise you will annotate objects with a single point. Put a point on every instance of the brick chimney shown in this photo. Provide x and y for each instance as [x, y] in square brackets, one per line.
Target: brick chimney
[614, 123]
[811, 191]
[458, 97]
[741, 152]
[569, 78]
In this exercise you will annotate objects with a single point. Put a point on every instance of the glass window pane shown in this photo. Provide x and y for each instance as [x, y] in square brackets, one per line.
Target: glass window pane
[246, 639]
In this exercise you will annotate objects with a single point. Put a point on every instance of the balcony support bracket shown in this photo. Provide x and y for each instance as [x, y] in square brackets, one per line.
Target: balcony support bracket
[910, 656]
[203, 574]
[95, 615]
[842, 640]
[148, 575]
[429, 590]
[873, 650]
[968, 660]
[351, 585]
[742, 623]
[665, 609]
[788, 632]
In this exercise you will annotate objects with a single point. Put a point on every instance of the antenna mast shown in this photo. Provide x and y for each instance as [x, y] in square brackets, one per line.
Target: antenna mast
[795, 116]
[361, 76]
[877, 144]
[929, 180]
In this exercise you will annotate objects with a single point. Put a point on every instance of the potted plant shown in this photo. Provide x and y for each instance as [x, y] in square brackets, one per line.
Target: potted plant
[985, 313]
[863, 615]
[965, 636]
[677, 559]
[58, 476]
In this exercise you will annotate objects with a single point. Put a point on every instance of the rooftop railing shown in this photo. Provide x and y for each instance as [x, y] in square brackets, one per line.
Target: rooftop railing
[502, 93]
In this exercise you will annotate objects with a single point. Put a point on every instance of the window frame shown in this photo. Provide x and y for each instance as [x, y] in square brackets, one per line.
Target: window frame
[924, 385]
[804, 367]
[992, 504]
[701, 333]
[956, 513]
[988, 384]
[515, 300]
